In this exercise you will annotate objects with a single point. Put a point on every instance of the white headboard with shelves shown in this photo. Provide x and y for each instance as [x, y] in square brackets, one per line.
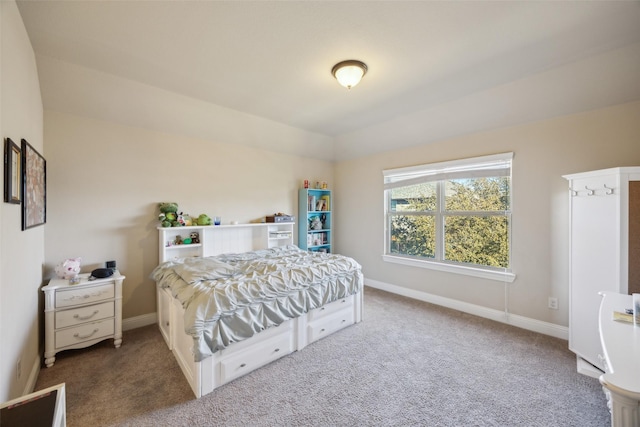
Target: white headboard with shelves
[219, 239]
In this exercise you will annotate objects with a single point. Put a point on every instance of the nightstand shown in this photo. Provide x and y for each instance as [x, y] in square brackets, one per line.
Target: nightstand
[80, 315]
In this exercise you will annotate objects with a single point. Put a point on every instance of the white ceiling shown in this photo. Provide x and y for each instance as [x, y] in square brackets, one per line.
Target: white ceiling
[272, 59]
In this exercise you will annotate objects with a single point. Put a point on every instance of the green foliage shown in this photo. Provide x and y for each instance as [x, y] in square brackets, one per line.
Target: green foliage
[475, 224]
[413, 235]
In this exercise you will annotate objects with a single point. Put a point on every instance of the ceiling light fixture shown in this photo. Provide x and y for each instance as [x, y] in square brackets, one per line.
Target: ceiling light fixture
[349, 73]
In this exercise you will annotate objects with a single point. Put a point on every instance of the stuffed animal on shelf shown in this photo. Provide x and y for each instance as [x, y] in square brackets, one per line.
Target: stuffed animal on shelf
[315, 223]
[203, 219]
[195, 237]
[168, 214]
[184, 219]
[178, 240]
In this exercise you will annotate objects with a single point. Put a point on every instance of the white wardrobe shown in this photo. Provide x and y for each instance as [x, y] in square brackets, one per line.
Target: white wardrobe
[604, 212]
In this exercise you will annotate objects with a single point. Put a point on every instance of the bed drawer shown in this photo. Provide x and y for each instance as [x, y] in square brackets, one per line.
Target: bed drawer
[243, 362]
[331, 308]
[85, 332]
[84, 295]
[76, 316]
[322, 328]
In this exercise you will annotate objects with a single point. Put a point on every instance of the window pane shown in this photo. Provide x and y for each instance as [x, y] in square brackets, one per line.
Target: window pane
[413, 235]
[477, 194]
[477, 240]
[413, 198]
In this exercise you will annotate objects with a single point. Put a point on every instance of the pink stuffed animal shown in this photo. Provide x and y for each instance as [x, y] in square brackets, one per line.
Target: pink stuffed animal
[69, 268]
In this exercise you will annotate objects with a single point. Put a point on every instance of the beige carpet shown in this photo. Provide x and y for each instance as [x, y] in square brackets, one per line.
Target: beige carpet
[408, 363]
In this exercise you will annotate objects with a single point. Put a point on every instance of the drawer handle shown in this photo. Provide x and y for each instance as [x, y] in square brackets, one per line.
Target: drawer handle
[344, 320]
[276, 350]
[77, 335]
[322, 309]
[322, 330]
[78, 317]
[344, 300]
[243, 365]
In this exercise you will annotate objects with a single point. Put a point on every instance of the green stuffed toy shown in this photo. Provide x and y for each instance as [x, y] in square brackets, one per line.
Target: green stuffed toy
[203, 219]
[168, 214]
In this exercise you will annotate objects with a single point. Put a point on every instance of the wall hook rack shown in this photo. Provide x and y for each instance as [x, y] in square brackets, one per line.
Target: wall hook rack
[609, 190]
[590, 192]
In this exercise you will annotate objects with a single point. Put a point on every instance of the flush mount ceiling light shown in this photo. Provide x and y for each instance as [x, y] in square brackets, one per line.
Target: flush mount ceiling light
[348, 73]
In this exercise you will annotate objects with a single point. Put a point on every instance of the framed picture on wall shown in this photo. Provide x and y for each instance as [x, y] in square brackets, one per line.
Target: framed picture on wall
[34, 187]
[12, 172]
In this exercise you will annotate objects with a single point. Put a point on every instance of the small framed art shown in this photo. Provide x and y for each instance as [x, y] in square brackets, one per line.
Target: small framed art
[34, 187]
[12, 172]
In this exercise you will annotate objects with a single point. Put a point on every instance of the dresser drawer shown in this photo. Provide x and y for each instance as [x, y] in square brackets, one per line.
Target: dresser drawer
[86, 332]
[76, 316]
[85, 295]
[331, 308]
[243, 362]
[337, 321]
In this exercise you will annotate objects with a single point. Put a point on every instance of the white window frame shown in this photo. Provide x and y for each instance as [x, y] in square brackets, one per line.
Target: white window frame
[492, 165]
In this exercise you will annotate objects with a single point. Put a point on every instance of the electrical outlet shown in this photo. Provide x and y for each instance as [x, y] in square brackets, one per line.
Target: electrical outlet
[553, 303]
[19, 369]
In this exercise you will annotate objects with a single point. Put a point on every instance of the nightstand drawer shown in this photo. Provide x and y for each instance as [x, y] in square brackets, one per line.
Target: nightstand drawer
[81, 315]
[86, 332]
[333, 307]
[85, 295]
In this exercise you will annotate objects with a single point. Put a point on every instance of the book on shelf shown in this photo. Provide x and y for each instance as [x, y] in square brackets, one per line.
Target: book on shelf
[326, 198]
[312, 203]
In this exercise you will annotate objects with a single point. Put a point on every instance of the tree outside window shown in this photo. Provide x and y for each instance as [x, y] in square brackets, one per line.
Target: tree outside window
[464, 218]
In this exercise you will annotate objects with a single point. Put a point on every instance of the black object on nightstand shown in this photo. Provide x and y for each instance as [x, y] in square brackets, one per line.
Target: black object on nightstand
[111, 265]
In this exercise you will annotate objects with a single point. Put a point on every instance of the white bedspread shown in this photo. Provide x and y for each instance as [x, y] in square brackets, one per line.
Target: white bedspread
[229, 298]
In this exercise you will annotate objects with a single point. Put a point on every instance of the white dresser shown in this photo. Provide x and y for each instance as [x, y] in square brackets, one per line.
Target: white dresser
[80, 315]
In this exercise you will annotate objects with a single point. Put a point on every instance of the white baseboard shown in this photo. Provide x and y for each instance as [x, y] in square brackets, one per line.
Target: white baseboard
[139, 321]
[534, 325]
[33, 376]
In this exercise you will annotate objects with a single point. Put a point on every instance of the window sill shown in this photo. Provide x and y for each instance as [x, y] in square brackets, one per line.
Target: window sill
[501, 276]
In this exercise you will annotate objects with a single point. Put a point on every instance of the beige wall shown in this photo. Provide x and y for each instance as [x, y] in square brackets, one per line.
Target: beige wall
[105, 180]
[21, 252]
[544, 151]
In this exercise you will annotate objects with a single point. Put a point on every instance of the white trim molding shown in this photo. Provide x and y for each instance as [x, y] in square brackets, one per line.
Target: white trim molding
[534, 325]
[501, 276]
[139, 321]
[30, 386]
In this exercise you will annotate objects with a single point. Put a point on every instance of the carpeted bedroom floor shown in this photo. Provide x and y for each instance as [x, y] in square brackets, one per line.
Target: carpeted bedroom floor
[409, 363]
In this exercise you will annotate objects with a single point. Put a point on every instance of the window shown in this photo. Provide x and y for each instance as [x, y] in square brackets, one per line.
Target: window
[452, 216]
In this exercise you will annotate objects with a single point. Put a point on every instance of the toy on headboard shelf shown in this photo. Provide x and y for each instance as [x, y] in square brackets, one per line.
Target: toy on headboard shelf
[203, 219]
[184, 219]
[168, 214]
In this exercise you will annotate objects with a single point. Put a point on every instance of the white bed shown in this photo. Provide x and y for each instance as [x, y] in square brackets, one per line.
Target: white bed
[243, 356]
